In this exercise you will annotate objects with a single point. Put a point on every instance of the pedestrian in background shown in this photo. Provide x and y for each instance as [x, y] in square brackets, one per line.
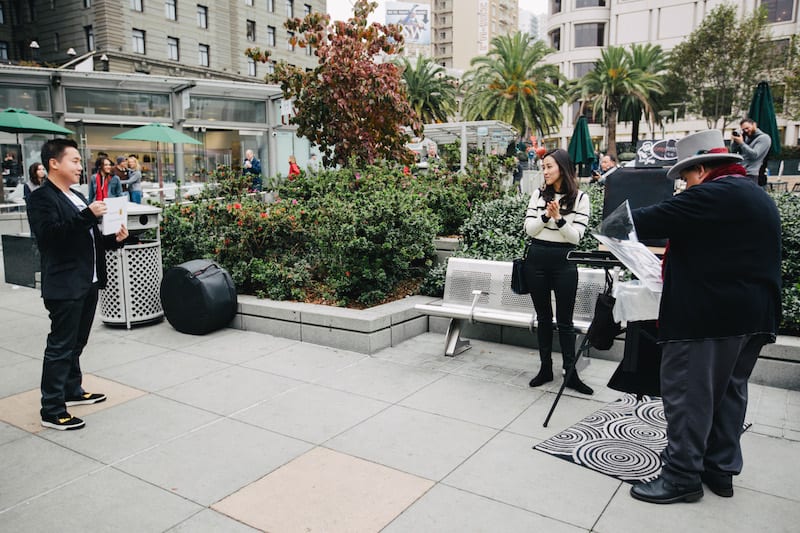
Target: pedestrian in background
[134, 181]
[36, 176]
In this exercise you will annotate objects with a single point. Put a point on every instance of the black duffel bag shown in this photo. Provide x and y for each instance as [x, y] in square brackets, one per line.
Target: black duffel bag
[198, 297]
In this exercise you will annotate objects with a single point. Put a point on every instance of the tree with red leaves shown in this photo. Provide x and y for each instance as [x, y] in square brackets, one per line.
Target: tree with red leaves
[353, 104]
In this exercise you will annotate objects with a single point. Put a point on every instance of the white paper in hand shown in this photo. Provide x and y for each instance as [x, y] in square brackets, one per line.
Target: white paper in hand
[116, 216]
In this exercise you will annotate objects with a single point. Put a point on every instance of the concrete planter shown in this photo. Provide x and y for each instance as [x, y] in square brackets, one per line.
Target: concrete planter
[364, 331]
[445, 246]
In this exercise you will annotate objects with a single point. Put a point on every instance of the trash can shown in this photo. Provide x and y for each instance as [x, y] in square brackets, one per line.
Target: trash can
[131, 296]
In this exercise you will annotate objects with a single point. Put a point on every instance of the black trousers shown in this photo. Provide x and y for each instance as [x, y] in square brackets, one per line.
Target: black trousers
[704, 389]
[548, 271]
[70, 323]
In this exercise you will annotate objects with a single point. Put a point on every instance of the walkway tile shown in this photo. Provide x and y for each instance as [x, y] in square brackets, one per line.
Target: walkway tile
[209, 521]
[445, 509]
[20, 377]
[137, 425]
[472, 400]
[161, 371]
[23, 478]
[770, 465]
[22, 410]
[107, 351]
[164, 335]
[306, 362]
[213, 461]
[746, 512]
[9, 433]
[507, 470]
[230, 389]
[312, 413]
[236, 347]
[325, 491]
[568, 411]
[382, 380]
[107, 500]
[412, 441]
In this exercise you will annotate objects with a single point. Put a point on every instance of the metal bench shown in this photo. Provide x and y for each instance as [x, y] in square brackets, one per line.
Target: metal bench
[478, 290]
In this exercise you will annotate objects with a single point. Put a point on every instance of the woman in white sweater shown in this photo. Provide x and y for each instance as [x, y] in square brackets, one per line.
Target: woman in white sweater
[556, 219]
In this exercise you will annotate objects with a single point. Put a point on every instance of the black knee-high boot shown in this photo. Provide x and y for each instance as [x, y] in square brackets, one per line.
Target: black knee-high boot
[544, 334]
[566, 336]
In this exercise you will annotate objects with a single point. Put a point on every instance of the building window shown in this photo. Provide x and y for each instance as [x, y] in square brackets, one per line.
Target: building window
[555, 6]
[138, 41]
[56, 42]
[171, 9]
[173, 48]
[443, 35]
[579, 70]
[251, 66]
[270, 68]
[779, 10]
[248, 2]
[290, 41]
[137, 5]
[204, 52]
[88, 32]
[251, 30]
[4, 50]
[271, 6]
[555, 39]
[271, 36]
[290, 9]
[306, 9]
[589, 3]
[591, 34]
[87, 3]
[202, 16]
[3, 18]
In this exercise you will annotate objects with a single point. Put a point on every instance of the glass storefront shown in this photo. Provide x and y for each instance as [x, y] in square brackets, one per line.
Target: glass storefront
[130, 104]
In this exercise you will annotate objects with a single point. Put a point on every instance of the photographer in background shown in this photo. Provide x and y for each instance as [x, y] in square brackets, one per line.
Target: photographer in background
[753, 145]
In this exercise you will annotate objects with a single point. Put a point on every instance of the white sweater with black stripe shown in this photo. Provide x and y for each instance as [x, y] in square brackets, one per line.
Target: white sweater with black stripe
[570, 232]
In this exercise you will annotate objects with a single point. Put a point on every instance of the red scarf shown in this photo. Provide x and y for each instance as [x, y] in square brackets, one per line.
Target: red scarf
[731, 169]
[101, 187]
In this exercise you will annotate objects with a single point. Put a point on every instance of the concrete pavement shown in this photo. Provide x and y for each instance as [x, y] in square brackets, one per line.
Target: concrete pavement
[239, 431]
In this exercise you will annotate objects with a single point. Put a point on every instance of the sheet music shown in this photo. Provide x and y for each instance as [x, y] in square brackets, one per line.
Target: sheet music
[637, 258]
[116, 216]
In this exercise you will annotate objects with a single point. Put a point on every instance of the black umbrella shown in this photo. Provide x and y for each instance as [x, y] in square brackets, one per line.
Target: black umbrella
[762, 110]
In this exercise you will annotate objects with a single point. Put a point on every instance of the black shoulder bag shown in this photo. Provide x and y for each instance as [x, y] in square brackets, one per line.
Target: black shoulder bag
[519, 283]
[603, 329]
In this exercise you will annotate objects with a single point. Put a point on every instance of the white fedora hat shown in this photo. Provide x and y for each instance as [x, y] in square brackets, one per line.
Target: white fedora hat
[700, 148]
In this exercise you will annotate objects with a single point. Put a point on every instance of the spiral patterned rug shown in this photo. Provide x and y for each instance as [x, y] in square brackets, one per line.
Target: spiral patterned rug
[623, 440]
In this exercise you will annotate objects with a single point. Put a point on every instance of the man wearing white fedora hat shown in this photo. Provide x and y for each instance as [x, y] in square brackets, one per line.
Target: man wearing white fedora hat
[720, 305]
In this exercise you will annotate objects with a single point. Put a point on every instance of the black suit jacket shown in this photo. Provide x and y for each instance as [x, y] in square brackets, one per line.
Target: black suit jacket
[66, 246]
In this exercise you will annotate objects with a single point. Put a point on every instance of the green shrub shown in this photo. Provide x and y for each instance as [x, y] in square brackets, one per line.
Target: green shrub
[369, 242]
[789, 208]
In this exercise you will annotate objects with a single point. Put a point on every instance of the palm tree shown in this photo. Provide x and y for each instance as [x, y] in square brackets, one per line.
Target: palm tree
[512, 84]
[430, 91]
[651, 59]
[614, 78]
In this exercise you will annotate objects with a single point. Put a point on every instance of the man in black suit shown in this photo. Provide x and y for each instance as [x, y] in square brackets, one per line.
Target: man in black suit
[72, 249]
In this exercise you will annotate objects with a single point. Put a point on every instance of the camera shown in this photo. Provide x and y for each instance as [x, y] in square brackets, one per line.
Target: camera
[274, 133]
[736, 133]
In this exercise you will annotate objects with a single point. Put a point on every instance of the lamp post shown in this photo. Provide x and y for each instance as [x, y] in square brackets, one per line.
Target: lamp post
[34, 46]
[664, 114]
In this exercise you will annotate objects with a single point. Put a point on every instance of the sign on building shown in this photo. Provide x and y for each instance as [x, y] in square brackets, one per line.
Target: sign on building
[414, 18]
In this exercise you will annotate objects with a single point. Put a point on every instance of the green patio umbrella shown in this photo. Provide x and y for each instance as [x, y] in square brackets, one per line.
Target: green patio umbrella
[157, 133]
[20, 121]
[580, 144]
[762, 110]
